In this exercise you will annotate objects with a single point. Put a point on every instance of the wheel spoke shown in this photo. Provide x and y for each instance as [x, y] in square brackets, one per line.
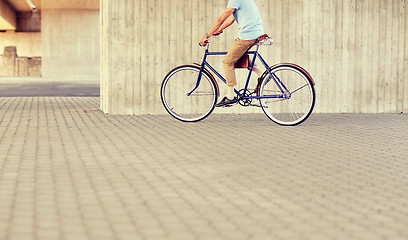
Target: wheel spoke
[175, 88]
[299, 88]
[297, 104]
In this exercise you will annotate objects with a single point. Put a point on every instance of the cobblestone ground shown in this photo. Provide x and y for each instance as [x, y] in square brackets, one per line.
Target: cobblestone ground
[68, 171]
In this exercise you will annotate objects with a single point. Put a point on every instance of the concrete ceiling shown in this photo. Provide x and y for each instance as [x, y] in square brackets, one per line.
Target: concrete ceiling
[69, 4]
[9, 8]
[8, 20]
[24, 5]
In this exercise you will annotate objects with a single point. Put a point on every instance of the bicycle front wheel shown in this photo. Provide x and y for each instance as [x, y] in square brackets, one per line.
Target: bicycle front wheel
[287, 94]
[184, 97]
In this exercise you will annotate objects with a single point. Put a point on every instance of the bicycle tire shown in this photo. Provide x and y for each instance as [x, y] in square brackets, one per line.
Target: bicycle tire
[294, 105]
[174, 94]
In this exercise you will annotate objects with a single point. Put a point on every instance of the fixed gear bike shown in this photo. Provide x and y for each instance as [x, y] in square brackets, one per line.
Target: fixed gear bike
[285, 91]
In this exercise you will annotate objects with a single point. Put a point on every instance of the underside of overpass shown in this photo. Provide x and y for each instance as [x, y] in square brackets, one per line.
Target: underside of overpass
[10, 8]
[56, 39]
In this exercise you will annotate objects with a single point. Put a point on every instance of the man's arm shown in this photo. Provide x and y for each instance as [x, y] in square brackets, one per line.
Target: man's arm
[230, 20]
[218, 23]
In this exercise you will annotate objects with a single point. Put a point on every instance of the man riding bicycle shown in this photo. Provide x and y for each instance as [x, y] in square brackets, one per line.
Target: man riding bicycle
[246, 14]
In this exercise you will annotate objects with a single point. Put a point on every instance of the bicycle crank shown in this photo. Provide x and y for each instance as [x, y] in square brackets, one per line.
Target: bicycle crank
[245, 101]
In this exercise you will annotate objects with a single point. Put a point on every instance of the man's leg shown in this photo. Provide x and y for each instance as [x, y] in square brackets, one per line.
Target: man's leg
[238, 48]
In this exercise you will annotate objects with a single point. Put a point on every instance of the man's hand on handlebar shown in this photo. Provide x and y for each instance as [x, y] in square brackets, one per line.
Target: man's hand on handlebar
[204, 41]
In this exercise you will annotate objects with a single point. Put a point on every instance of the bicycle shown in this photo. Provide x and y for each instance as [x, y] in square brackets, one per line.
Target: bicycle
[285, 91]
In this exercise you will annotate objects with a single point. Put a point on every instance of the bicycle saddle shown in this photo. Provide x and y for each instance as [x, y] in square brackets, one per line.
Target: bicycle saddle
[264, 40]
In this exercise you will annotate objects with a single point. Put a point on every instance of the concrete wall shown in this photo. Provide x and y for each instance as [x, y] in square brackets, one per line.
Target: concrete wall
[27, 44]
[356, 50]
[13, 65]
[70, 43]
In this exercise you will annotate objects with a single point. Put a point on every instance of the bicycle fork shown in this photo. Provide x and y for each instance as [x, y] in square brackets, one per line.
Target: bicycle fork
[200, 74]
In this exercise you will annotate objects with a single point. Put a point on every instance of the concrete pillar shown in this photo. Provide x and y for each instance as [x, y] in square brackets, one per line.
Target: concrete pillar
[108, 18]
[117, 57]
[135, 54]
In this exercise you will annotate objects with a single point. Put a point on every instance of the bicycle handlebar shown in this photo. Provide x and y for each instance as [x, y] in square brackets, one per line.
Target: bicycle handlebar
[206, 43]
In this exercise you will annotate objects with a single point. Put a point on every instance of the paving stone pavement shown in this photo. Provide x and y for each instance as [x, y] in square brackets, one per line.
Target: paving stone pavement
[68, 171]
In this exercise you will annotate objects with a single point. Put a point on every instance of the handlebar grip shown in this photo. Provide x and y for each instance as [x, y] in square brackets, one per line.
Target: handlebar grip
[206, 42]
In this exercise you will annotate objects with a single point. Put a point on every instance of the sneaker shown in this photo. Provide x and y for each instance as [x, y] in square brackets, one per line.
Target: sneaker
[226, 102]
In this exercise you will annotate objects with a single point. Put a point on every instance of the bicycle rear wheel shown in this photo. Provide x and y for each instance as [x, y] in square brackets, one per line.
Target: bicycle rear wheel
[287, 94]
[183, 98]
